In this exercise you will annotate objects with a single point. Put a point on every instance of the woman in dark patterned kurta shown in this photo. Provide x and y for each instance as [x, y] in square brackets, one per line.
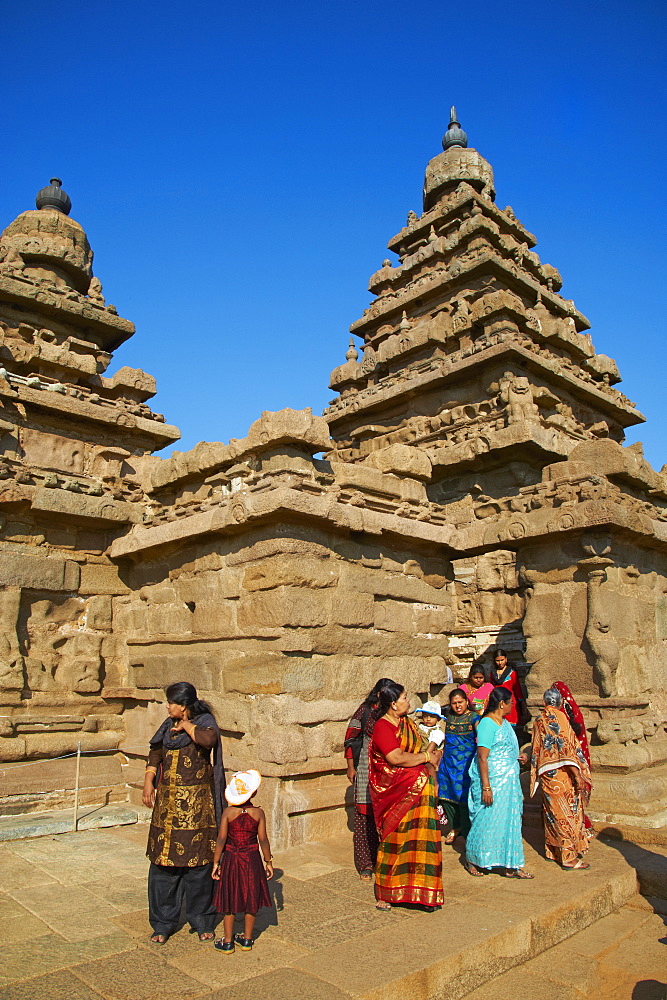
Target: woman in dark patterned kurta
[185, 763]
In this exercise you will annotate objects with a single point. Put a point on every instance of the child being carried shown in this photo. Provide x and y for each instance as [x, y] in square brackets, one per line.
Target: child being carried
[432, 735]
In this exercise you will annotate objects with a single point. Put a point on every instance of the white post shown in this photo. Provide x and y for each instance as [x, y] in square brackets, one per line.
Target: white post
[76, 787]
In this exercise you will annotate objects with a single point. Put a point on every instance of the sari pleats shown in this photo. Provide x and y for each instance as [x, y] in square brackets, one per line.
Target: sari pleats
[565, 838]
[409, 860]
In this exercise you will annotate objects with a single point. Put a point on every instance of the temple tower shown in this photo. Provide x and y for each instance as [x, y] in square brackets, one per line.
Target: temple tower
[478, 376]
[70, 439]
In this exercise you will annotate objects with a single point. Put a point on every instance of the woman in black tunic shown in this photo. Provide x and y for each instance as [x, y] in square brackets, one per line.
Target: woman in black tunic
[184, 783]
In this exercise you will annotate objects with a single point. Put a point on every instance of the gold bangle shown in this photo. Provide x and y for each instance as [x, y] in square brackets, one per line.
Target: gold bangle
[151, 768]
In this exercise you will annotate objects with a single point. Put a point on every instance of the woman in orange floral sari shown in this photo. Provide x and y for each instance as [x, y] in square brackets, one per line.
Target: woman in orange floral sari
[403, 792]
[560, 767]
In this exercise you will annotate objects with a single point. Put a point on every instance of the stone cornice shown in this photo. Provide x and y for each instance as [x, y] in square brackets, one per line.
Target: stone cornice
[108, 413]
[111, 330]
[245, 507]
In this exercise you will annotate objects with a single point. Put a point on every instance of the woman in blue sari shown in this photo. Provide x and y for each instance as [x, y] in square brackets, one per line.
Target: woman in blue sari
[495, 800]
[459, 751]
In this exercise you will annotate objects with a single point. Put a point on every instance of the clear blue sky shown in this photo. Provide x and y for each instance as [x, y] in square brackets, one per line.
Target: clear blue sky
[240, 167]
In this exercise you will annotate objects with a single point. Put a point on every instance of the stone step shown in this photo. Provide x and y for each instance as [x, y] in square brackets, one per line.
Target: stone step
[619, 957]
[487, 927]
[61, 821]
[648, 859]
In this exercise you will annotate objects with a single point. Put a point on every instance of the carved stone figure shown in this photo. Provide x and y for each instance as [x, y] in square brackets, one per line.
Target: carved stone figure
[517, 394]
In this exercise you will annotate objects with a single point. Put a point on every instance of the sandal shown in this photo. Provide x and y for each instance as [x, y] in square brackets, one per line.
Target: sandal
[581, 865]
[206, 936]
[451, 837]
[517, 873]
[158, 938]
[367, 876]
[383, 907]
[473, 869]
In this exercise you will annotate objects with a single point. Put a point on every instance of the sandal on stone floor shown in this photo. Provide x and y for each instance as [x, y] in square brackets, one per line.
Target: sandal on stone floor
[367, 876]
[581, 865]
[517, 873]
[206, 936]
[383, 907]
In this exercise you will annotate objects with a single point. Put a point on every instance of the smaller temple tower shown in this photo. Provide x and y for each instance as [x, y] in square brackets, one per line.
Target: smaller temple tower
[70, 439]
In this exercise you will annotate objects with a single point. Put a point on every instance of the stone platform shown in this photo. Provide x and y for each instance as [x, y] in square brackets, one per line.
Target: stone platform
[73, 923]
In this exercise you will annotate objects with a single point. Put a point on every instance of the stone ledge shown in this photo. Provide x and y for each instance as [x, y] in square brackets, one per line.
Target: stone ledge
[61, 821]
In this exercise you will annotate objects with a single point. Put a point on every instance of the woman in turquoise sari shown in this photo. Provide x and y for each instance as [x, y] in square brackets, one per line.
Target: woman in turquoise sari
[459, 751]
[495, 801]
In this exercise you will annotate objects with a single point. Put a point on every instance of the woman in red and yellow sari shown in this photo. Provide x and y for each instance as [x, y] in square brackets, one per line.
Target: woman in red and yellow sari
[560, 768]
[403, 792]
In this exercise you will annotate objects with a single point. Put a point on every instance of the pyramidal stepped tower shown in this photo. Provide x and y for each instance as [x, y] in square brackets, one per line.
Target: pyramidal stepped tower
[473, 490]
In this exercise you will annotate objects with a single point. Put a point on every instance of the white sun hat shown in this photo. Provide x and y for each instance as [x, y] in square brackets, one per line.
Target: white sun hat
[241, 786]
[430, 708]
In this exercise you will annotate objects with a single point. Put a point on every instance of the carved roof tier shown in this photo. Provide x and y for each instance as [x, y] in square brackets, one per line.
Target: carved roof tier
[468, 294]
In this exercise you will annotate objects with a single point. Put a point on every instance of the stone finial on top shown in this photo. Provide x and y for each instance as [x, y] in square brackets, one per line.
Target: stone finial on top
[454, 136]
[54, 197]
[352, 354]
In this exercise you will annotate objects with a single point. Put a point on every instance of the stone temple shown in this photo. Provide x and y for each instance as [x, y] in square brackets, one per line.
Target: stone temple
[468, 486]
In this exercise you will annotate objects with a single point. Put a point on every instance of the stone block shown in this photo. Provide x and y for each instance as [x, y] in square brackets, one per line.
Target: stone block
[217, 619]
[283, 746]
[395, 585]
[323, 740]
[291, 571]
[291, 606]
[12, 749]
[98, 613]
[620, 731]
[47, 776]
[209, 585]
[373, 481]
[55, 744]
[401, 460]
[498, 608]
[77, 505]
[661, 616]
[412, 618]
[159, 593]
[430, 619]
[288, 710]
[497, 571]
[353, 609]
[255, 674]
[544, 614]
[24, 569]
[234, 714]
[168, 619]
[149, 669]
[130, 618]
[394, 616]
[98, 578]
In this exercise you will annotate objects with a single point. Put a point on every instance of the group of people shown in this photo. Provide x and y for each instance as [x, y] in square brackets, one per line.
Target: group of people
[415, 783]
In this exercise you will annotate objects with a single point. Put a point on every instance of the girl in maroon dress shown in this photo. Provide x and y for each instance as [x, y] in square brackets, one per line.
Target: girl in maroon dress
[237, 866]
